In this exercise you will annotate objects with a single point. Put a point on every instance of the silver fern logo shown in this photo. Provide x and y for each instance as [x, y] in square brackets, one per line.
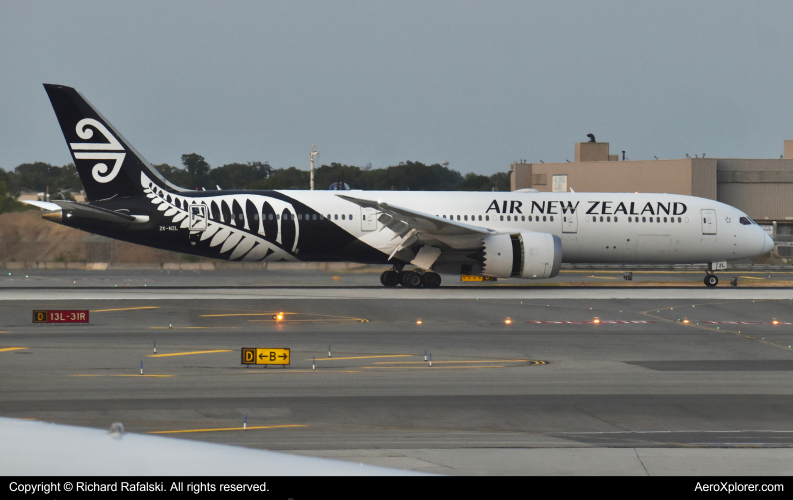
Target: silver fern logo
[235, 237]
[98, 150]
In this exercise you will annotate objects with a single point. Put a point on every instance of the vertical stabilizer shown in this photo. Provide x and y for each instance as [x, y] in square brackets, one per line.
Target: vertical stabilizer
[107, 164]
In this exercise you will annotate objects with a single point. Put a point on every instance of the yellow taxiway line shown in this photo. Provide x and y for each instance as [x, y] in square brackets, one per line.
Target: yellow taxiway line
[186, 353]
[365, 357]
[425, 362]
[12, 349]
[159, 376]
[227, 429]
[242, 314]
[427, 367]
[125, 309]
[192, 327]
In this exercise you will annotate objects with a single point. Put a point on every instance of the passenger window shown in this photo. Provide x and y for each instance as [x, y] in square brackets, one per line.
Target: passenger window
[530, 218]
[342, 217]
[480, 218]
[664, 219]
[502, 217]
[487, 217]
[543, 218]
[644, 219]
[509, 218]
[336, 216]
[608, 219]
[458, 217]
[299, 216]
[657, 219]
[615, 218]
[601, 218]
[350, 216]
[671, 219]
[523, 218]
[629, 219]
[552, 218]
[465, 217]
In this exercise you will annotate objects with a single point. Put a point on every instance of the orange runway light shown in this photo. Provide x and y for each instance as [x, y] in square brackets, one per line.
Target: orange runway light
[508, 321]
[418, 322]
[597, 320]
[775, 322]
[685, 321]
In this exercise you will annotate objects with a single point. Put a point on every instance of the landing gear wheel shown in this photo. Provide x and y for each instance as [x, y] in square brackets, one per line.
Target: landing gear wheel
[711, 280]
[432, 280]
[390, 278]
[412, 279]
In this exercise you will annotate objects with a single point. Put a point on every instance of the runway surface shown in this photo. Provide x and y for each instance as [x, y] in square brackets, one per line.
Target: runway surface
[523, 380]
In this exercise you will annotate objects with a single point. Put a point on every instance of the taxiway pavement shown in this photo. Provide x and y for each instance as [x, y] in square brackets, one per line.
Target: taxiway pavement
[522, 381]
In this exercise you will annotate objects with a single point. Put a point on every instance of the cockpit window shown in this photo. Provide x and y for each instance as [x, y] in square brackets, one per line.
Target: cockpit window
[746, 221]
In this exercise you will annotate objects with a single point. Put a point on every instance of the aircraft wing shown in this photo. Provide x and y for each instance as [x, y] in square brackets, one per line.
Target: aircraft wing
[402, 220]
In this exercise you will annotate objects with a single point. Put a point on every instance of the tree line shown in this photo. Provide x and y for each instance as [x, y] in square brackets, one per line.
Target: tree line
[197, 173]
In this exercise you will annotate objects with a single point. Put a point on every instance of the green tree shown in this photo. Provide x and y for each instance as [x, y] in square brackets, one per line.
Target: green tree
[36, 176]
[475, 182]
[239, 175]
[283, 178]
[67, 180]
[175, 175]
[7, 202]
[500, 181]
[197, 170]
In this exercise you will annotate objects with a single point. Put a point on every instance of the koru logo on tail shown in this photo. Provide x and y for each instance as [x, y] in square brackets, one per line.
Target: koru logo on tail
[98, 150]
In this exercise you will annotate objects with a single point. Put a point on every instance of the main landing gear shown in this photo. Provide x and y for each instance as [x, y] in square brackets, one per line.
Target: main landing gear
[410, 279]
[711, 280]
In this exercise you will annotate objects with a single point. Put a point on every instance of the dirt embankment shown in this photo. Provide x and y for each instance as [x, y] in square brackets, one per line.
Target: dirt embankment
[26, 237]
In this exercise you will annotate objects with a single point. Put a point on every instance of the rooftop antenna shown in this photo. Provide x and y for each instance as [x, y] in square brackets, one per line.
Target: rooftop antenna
[591, 137]
[313, 153]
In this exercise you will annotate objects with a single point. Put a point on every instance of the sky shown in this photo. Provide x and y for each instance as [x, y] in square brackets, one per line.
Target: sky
[477, 84]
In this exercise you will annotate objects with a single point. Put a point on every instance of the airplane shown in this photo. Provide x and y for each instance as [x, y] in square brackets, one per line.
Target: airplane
[521, 234]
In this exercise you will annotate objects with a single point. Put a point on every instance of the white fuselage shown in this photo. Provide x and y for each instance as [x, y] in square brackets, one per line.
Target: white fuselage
[594, 227]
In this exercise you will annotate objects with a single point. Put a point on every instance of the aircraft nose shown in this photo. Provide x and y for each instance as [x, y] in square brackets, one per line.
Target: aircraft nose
[768, 244]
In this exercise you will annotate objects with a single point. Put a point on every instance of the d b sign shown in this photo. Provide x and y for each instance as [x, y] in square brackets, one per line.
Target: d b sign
[265, 356]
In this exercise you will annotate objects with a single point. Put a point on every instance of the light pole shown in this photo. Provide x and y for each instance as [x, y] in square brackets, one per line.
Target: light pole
[313, 153]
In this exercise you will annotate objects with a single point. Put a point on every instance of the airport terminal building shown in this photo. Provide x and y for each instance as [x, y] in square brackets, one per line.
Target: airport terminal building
[763, 188]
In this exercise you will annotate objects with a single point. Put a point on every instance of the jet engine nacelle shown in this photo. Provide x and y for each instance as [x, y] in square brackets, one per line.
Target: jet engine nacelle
[522, 255]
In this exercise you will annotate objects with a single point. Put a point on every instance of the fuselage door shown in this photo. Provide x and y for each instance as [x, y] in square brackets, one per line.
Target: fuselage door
[198, 218]
[368, 219]
[708, 222]
[570, 223]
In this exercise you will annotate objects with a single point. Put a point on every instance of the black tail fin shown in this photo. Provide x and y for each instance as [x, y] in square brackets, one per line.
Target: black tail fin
[107, 164]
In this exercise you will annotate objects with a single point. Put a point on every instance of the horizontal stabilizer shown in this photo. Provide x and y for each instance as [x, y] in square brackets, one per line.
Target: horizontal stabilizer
[46, 205]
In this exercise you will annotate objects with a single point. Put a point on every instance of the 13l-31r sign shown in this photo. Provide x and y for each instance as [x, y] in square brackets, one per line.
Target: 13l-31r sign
[60, 316]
